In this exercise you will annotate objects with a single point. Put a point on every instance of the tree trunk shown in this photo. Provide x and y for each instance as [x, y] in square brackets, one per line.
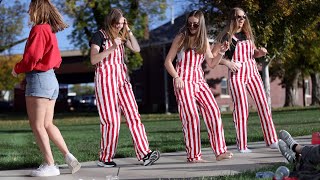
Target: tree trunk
[315, 80]
[291, 84]
[304, 99]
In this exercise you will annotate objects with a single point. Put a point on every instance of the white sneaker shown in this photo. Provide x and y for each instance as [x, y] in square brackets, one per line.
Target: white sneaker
[72, 162]
[274, 145]
[245, 151]
[45, 170]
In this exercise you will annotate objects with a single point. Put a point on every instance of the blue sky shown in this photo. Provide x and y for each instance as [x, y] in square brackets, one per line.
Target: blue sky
[65, 43]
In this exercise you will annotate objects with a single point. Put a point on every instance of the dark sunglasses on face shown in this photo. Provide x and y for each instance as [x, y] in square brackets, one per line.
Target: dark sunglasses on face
[241, 17]
[193, 25]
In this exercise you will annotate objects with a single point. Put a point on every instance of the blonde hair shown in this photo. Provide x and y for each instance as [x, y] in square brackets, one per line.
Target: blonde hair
[111, 19]
[231, 27]
[43, 11]
[200, 38]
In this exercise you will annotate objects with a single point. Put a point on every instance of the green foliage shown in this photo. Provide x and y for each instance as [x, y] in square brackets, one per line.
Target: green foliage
[88, 17]
[7, 81]
[11, 24]
[134, 61]
[288, 29]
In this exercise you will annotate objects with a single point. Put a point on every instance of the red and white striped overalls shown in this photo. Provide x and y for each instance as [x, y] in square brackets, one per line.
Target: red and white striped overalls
[114, 94]
[196, 95]
[248, 78]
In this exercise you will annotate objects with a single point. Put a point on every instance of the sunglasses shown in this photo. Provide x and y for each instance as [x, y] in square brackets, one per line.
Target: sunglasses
[193, 25]
[241, 17]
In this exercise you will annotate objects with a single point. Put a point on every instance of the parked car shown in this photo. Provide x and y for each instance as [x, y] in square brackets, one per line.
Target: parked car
[82, 103]
[88, 101]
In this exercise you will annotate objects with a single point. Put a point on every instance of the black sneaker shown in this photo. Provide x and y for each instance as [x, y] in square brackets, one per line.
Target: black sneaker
[106, 164]
[151, 157]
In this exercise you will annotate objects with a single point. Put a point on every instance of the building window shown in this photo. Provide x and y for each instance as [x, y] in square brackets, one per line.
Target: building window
[224, 87]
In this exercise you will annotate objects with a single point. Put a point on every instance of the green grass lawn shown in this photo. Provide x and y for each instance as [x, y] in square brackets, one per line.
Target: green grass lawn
[82, 135]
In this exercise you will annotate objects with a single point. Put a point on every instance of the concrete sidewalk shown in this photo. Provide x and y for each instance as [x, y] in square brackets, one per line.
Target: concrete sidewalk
[170, 165]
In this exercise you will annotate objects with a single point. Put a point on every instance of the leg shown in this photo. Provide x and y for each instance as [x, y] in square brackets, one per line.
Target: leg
[130, 109]
[240, 112]
[52, 130]
[36, 109]
[212, 118]
[255, 88]
[190, 121]
[309, 154]
[107, 103]
[56, 137]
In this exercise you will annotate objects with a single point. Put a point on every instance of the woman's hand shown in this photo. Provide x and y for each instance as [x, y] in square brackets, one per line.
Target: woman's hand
[117, 42]
[178, 83]
[126, 25]
[233, 66]
[261, 51]
[224, 47]
[14, 74]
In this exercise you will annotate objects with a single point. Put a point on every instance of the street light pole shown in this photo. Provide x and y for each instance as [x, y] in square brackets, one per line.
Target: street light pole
[165, 74]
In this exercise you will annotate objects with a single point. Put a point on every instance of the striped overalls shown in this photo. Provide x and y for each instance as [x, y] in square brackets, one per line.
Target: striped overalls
[248, 78]
[114, 94]
[196, 95]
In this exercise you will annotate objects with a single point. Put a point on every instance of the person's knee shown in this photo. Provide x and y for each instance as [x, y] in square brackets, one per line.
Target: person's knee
[48, 125]
[37, 128]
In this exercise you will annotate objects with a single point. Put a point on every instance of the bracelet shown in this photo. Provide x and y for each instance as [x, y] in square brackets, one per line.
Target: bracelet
[221, 53]
[175, 77]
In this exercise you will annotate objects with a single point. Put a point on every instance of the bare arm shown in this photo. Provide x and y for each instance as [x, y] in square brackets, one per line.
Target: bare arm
[261, 51]
[96, 57]
[169, 59]
[234, 67]
[214, 56]
[132, 42]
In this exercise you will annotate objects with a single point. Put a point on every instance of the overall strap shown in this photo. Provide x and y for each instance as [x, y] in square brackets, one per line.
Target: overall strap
[235, 38]
[103, 33]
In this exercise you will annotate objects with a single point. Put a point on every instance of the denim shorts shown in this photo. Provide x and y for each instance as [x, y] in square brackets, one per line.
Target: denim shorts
[42, 84]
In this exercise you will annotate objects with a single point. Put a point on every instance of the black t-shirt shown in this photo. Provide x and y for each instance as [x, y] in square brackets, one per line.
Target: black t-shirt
[98, 39]
[241, 37]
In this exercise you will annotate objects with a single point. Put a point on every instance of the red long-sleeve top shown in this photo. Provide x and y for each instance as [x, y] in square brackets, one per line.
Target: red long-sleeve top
[41, 52]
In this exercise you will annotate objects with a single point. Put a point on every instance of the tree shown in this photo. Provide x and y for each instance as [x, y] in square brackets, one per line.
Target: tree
[279, 25]
[7, 81]
[310, 50]
[11, 24]
[296, 60]
[88, 17]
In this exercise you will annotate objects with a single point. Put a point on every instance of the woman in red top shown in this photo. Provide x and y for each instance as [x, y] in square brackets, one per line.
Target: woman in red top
[193, 94]
[244, 76]
[40, 58]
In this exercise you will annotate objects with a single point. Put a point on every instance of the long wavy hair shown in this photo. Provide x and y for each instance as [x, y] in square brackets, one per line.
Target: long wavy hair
[44, 12]
[110, 21]
[232, 27]
[199, 43]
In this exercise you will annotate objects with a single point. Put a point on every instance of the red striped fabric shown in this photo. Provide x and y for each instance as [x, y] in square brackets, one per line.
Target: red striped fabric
[114, 95]
[197, 96]
[247, 79]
